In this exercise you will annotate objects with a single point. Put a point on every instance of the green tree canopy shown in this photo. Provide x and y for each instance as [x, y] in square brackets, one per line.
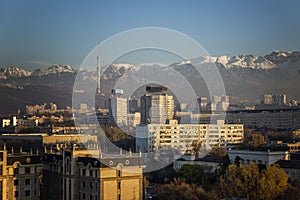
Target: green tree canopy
[191, 173]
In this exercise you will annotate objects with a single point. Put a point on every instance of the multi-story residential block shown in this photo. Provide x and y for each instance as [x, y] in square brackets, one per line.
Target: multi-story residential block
[134, 119]
[269, 119]
[19, 175]
[156, 106]
[75, 174]
[219, 103]
[269, 99]
[180, 137]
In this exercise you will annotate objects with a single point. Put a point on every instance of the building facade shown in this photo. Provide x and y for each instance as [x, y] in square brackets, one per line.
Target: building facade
[259, 157]
[19, 175]
[156, 108]
[118, 107]
[69, 175]
[153, 137]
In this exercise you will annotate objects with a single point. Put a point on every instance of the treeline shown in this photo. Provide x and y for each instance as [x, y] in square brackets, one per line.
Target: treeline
[228, 181]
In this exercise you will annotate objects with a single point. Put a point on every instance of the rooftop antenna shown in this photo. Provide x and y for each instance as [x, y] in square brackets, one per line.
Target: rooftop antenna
[98, 70]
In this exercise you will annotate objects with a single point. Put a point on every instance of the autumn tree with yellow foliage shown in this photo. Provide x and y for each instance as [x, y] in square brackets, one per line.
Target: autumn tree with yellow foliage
[248, 182]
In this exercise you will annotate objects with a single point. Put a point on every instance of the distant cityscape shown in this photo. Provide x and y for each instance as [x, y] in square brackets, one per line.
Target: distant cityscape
[135, 147]
[45, 153]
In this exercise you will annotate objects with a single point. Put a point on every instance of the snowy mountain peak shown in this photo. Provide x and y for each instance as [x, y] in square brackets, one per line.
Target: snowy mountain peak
[122, 65]
[185, 62]
[13, 72]
[241, 61]
[54, 69]
[279, 56]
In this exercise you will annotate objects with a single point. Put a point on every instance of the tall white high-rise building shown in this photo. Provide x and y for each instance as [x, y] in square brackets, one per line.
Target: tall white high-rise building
[156, 106]
[118, 107]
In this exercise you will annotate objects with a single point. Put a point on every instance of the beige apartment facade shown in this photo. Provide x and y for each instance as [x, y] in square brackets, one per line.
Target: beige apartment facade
[70, 175]
[152, 137]
[19, 175]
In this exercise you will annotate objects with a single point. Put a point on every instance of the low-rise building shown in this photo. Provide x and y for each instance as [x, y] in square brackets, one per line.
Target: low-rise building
[209, 163]
[259, 157]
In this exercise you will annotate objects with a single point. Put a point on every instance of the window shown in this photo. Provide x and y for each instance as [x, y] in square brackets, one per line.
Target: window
[83, 184]
[27, 170]
[16, 171]
[1, 169]
[91, 185]
[27, 181]
[83, 195]
[118, 173]
[1, 185]
[16, 193]
[16, 182]
[83, 172]
[119, 185]
[27, 193]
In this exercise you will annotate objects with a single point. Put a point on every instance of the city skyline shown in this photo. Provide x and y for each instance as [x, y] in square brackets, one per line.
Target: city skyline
[149, 100]
[36, 34]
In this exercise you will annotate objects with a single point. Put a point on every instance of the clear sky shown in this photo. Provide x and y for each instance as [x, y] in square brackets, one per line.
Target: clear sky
[36, 33]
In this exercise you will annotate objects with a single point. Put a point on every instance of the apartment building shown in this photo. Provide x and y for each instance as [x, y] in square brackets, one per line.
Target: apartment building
[180, 137]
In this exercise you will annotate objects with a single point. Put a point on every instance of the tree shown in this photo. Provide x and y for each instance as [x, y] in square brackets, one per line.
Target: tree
[218, 151]
[230, 184]
[179, 190]
[273, 182]
[257, 140]
[193, 174]
[175, 190]
[195, 147]
[248, 182]
[292, 192]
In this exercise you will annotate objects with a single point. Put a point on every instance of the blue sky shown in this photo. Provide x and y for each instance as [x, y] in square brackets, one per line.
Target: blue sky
[41, 33]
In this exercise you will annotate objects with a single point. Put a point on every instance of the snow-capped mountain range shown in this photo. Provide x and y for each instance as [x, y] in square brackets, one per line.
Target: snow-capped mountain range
[243, 75]
[16, 72]
[282, 60]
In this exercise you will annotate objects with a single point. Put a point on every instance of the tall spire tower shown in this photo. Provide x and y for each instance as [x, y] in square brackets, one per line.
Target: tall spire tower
[98, 72]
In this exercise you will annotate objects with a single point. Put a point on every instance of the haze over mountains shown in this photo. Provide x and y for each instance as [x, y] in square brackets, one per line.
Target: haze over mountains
[245, 76]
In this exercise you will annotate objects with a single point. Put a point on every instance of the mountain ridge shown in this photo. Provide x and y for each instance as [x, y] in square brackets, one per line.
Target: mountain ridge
[268, 61]
[246, 76]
